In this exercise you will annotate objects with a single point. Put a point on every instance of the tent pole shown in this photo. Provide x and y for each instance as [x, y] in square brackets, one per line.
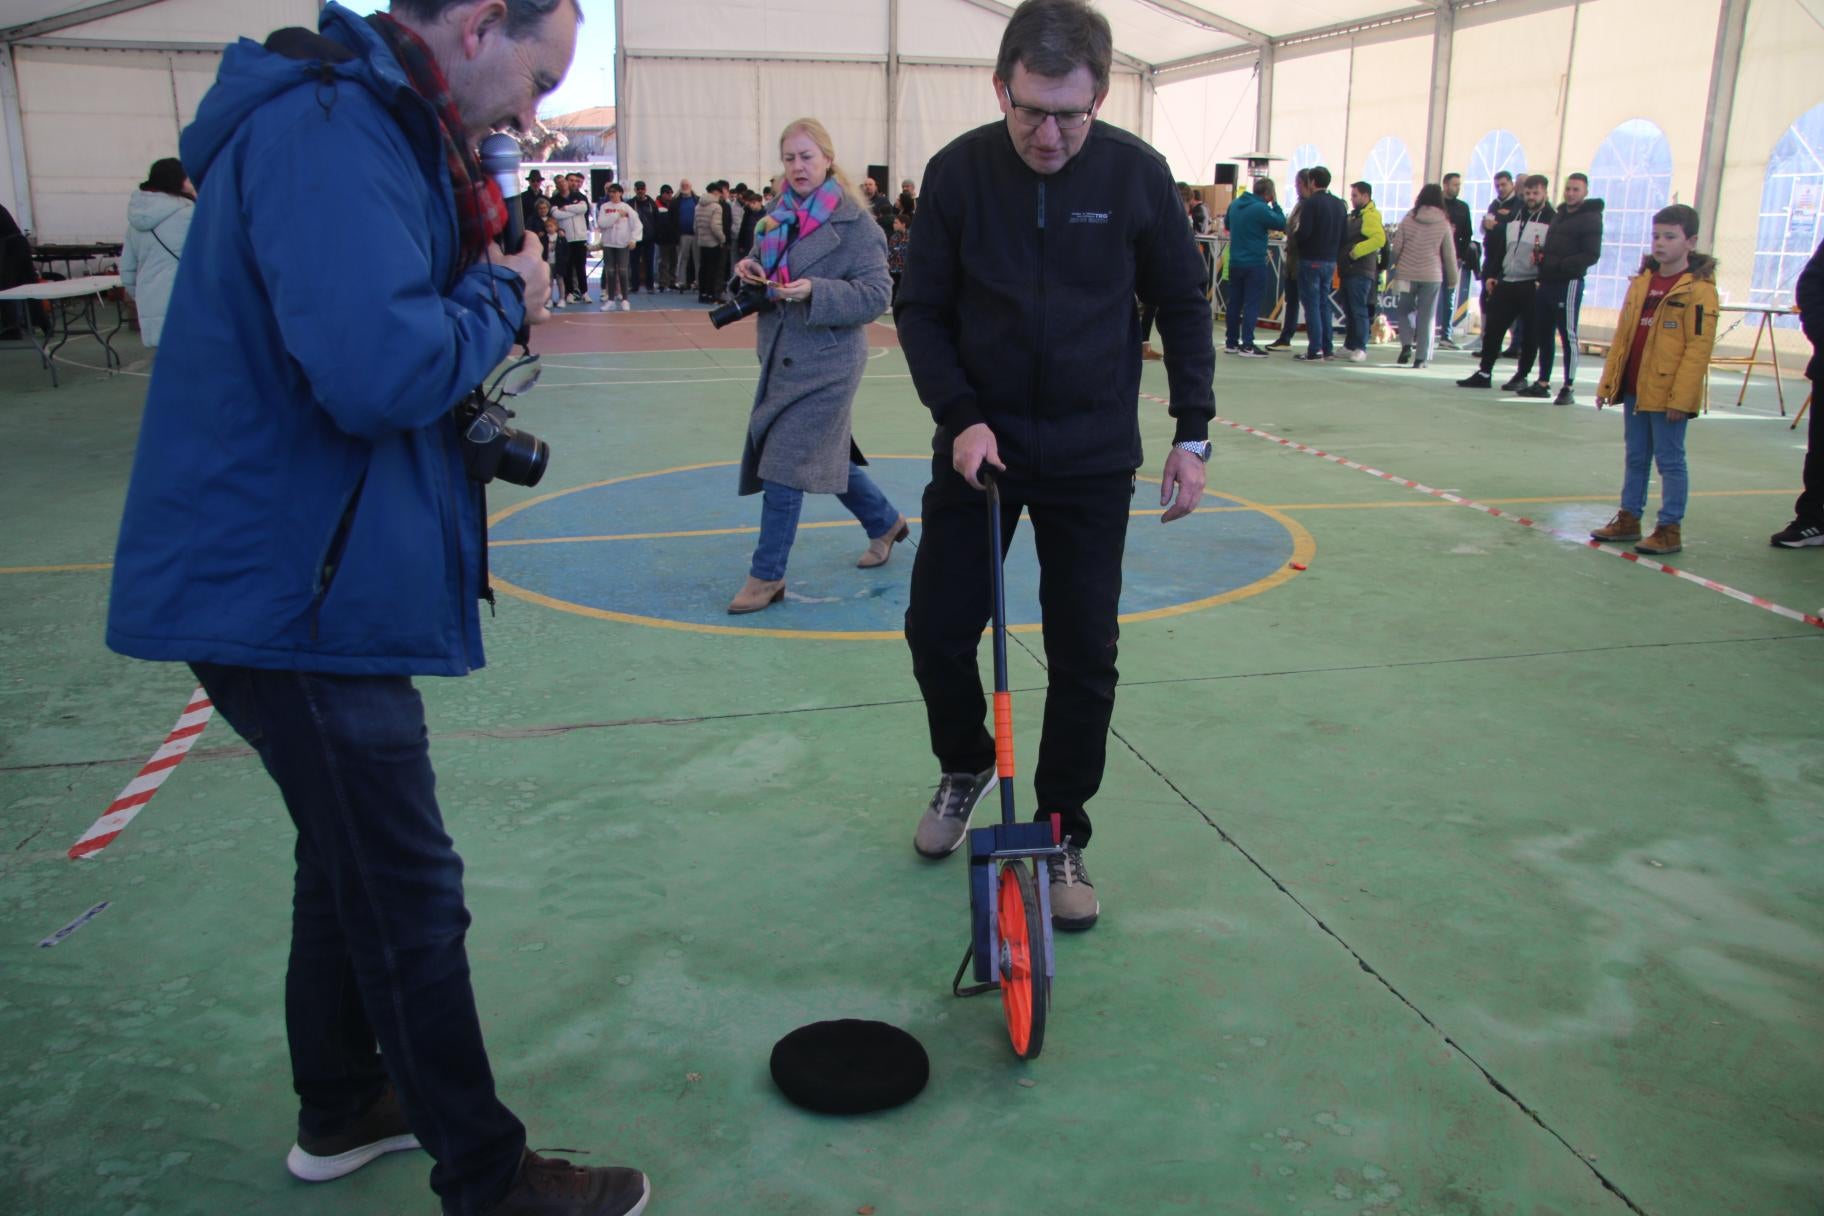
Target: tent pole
[893, 93]
[1725, 69]
[621, 159]
[1564, 94]
[1263, 101]
[15, 136]
[1443, 42]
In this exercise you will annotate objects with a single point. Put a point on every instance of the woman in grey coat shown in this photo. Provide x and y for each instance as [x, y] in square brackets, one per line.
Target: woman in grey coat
[822, 262]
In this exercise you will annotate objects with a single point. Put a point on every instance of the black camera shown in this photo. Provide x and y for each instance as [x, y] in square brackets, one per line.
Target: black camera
[747, 300]
[491, 448]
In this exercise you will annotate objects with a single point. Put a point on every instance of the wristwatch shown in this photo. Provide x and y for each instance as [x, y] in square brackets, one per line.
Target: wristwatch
[1200, 448]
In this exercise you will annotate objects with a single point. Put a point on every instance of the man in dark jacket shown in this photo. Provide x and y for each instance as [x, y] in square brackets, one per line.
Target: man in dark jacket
[666, 236]
[647, 209]
[879, 205]
[1502, 209]
[1320, 235]
[1463, 227]
[1016, 313]
[1806, 531]
[1572, 246]
[528, 199]
[300, 528]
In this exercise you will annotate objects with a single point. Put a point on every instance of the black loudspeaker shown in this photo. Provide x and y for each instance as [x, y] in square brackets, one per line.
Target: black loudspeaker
[1228, 174]
[879, 174]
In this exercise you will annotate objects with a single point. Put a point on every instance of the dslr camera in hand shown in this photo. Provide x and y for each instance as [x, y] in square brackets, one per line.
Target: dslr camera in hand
[749, 298]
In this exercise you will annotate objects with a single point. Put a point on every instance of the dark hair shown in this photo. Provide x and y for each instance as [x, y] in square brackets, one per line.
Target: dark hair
[1678, 213]
[1302, 177]
[165, 177]
[1055, 38]
[1431, 195]
[1452, 177]
[522, 15]
[1538, 179]
[1579, 177]
[1364, 187]
[1501, 173]
[1320, 177]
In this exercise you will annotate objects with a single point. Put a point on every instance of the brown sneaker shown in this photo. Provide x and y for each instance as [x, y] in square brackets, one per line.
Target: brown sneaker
[379, 1130]
[551, 1186]
[1623, 528]
[1665, 540]
[756, 594]
[881, 547]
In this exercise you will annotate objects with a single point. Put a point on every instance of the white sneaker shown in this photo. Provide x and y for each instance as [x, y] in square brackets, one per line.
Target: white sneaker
[607, 306]
[1358, 356]
[626, 305]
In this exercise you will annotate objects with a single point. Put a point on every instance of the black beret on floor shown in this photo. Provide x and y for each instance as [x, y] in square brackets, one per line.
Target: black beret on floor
[849, 1067]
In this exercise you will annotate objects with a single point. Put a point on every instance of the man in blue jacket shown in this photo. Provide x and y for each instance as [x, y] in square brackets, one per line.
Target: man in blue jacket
[1253, 214]
[300, 528]
[1320, 237]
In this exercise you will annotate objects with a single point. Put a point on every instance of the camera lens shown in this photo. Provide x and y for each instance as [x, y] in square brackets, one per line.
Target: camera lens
[523, 458]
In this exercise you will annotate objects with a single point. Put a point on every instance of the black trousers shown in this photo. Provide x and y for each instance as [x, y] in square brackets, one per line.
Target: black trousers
[1079, 526]
[576, 267]
[1556, 311]
[712, 271]
[1810, 506]
[1508, 303]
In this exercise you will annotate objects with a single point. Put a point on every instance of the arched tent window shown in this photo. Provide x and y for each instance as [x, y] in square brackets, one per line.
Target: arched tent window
[1497, 150]
[1792, 212]
[1304, 157]
[1390, 173]
[1632, 175]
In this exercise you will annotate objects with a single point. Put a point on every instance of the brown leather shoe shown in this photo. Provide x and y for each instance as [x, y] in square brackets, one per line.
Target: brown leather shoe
[756, 594]
[881, 547]
[1623, 528]
[551, 1186]
[1665, 540]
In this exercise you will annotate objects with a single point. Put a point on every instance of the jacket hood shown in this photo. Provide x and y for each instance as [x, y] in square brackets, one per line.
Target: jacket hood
[252, 74]
[1703, 266]
[1589, 206]
[147, 209]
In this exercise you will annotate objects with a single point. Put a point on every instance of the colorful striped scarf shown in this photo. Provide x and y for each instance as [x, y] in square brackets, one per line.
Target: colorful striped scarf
[481, 213]
[773, 235]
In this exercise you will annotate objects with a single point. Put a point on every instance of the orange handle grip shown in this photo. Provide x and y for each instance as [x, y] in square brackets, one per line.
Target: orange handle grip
[1003, 733]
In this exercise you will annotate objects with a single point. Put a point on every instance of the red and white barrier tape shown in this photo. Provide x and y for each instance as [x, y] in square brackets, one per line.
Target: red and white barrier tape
[155, 773]
[1638, 559]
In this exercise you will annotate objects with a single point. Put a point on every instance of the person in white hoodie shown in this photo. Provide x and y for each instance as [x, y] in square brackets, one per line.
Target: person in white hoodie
[158, 220]
[1424, 264]
[619, 225]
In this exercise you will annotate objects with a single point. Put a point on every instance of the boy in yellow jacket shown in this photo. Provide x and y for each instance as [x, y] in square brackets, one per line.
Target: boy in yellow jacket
[1659, 371]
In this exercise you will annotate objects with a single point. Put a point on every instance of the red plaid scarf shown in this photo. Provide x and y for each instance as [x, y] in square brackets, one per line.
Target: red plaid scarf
[480, 210]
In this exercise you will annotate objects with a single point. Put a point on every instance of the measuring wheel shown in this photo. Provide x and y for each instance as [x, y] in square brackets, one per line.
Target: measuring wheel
[1025, 975]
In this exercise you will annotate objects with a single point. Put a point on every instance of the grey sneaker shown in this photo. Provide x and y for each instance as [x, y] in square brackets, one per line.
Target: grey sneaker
[946, 819]
[1073, 896]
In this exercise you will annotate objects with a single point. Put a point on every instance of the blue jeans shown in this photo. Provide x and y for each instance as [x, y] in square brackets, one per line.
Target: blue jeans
[1247, 284]
[779, 520]
[378, 983]
[1449, 301]
[1651, 439]
[1314, 297]
[1358, 290]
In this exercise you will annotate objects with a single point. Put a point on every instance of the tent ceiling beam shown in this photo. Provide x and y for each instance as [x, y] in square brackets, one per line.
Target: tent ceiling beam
[1006, 11]
[1213, 22]
[1423, 12]
[73, 18]
[93, 44]
[1193, 66]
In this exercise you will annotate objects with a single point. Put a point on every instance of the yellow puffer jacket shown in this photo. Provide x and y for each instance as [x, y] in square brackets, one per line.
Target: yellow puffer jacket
[1675, 367]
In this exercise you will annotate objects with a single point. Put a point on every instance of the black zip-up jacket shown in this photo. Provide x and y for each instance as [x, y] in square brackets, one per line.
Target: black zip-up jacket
[1494, 244]
[1462, 227]
[1320, 227]
[1808, 295]
[1017, 304]
[1573, 243]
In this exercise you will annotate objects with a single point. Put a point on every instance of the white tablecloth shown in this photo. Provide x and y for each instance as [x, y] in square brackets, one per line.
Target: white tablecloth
[63, 289]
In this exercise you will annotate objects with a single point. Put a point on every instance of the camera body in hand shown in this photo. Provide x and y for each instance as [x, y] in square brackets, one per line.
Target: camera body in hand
[491, 448]
[747, 300]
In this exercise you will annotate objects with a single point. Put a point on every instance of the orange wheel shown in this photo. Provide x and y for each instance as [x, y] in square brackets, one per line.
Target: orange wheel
[1025, 991]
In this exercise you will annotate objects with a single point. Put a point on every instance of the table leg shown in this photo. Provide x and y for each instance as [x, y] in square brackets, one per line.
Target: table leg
[1773, 350]
[1753, 356]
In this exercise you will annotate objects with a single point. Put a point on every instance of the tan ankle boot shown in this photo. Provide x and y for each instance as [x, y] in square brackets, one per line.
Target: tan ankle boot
[881, 547]
[756, 594]
[1665, 540]
[1623, 528]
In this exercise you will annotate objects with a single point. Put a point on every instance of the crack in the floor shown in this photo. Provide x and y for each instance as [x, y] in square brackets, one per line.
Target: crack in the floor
[1493, 1081]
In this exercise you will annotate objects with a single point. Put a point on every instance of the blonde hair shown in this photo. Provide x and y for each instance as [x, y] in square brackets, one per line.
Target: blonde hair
[820, 136]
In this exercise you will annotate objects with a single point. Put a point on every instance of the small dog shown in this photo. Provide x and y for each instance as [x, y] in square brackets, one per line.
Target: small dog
[1380, 331]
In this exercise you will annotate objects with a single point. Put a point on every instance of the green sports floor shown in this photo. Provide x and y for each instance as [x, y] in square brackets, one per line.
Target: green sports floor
[1466, 871]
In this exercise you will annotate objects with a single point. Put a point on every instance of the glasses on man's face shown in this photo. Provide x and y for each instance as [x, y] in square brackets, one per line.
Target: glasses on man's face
[1033, 117]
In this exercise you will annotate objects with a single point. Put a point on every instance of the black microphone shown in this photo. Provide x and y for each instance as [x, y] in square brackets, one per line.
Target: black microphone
[500, 161]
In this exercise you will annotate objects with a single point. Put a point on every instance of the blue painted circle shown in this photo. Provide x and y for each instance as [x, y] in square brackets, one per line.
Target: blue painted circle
[638, 570]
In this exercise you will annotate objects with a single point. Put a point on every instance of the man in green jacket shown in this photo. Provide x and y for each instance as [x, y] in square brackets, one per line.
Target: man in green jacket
[1359, 263]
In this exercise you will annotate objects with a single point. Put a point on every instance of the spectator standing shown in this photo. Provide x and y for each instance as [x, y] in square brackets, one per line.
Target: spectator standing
[686, 207]
[1518, 247]
[1321, 225]
[751, 215]
[1806, 531]
[647, 208]
[1254, 213]
[1424, 268]
[731, 230]
[666, 238]
[1463, 226]
[712, 235]
[1359, 260]
[529, 199]
[1573, 244]
[878, 205]
[571, 210]
[618, 225]
[1507, 203]
[158, 220]
[1658, 371]
[1288, 275]
[896, 250]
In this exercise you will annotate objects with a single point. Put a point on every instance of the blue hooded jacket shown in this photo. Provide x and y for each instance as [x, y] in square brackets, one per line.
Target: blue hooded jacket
[1249, 218]
[299, 498]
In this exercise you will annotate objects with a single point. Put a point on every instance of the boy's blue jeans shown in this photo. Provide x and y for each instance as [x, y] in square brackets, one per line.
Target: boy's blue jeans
[1651, 439]
[779, 520]
[378, 924]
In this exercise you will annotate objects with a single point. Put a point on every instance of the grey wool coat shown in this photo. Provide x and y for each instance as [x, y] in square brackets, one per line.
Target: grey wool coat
[812, 355]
